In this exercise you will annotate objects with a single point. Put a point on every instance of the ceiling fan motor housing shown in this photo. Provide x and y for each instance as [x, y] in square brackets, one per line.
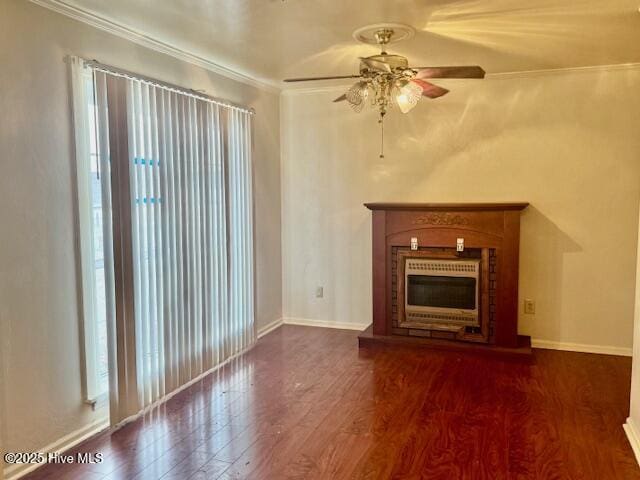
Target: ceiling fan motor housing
[396, 62]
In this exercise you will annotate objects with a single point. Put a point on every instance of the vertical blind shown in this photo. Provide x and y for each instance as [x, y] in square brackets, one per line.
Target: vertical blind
[189, 167]
[192, 235]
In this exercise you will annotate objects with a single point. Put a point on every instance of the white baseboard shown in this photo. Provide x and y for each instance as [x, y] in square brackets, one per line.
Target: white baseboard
[633, 434]
[262, 331]
[308, 322]
[61, 445]
[580, 347]
[536, 343]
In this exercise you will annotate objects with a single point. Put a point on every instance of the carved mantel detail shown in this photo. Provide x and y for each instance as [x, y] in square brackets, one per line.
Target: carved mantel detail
[440, 219]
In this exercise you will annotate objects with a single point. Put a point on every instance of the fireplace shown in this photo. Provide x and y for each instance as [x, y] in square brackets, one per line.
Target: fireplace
[440, 292]
[446, 275]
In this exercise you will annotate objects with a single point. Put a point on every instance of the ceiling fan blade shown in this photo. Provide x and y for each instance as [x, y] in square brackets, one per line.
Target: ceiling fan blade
[429, 89]
[376, 65]
[341, 98]
[308, 79]
[470, 71]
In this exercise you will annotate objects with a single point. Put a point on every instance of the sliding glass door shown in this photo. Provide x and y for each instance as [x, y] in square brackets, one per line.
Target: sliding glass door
[181, 206]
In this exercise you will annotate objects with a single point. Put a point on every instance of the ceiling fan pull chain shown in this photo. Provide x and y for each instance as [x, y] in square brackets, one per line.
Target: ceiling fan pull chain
[381, 122]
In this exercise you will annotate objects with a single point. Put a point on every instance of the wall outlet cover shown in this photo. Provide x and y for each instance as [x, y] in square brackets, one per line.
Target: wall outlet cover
[529, 306]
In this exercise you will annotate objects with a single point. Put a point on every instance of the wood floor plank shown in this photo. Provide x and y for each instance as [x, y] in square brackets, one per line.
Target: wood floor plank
[306, 403]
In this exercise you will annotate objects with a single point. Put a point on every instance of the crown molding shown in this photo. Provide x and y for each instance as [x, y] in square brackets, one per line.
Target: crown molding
[564, 70]
[335, 87]
[122, 31]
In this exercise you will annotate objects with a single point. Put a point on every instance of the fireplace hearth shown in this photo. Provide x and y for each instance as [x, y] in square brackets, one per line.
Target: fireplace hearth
[446, 276]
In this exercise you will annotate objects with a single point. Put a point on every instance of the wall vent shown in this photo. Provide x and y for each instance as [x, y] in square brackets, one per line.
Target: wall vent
[444, 267]
[441, 318]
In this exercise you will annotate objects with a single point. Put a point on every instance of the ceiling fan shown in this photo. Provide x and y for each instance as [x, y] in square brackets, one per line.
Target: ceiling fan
[387, 80]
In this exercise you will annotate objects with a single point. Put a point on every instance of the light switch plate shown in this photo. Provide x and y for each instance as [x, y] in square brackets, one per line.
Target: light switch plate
[319, 292]
[414, 243]
[460, 245]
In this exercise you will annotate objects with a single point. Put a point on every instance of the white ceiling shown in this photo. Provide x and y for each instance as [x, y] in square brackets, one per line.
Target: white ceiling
[275, 39]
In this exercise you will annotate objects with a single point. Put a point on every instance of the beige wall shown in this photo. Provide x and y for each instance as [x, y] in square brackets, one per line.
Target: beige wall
[566, 142]
[38, 301]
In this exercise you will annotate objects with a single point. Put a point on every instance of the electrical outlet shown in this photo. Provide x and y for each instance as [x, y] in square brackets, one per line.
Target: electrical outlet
[529, 306]
[319, 292]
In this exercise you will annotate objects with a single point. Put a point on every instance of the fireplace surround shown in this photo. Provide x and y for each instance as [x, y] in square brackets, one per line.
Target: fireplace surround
[446, 276]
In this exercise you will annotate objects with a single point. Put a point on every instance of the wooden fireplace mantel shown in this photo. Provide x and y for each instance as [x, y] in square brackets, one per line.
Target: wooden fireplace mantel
[453, 207]
[485, 227]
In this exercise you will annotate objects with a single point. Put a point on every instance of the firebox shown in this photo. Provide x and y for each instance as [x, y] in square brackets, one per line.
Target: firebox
[439, 291]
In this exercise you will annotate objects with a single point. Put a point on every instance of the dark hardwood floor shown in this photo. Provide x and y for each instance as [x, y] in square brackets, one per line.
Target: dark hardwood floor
[306, 403]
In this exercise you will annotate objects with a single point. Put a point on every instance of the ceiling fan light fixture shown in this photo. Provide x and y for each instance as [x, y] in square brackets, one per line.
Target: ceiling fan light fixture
[364, 91]
[388, 80]
[357, 95]
[407, 96]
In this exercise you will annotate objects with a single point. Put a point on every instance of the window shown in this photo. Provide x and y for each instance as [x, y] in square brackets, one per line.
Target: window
[91, 240]
[99, 319]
